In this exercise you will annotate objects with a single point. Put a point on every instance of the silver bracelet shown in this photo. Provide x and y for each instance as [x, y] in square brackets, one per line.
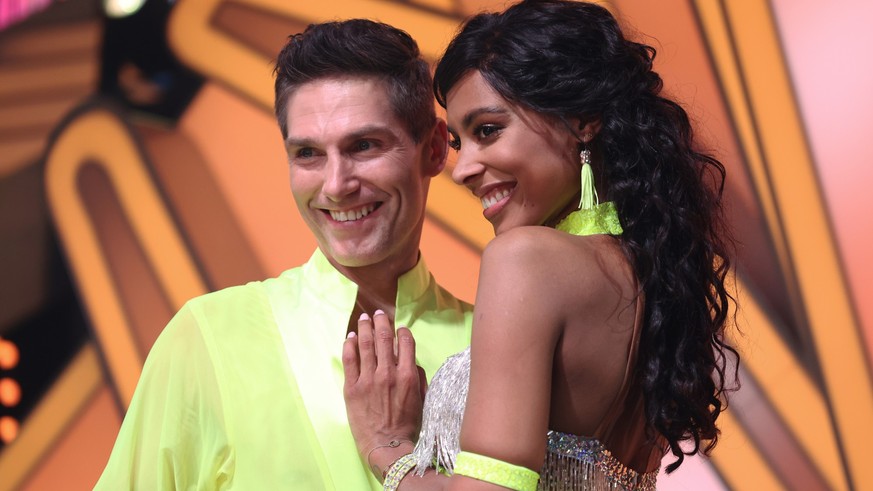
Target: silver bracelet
[398, 470]
[392, 444]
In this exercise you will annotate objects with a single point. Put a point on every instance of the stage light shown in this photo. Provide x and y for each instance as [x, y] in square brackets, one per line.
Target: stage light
[8, 429]
[121, 8]
[10, 392]
[8, 354]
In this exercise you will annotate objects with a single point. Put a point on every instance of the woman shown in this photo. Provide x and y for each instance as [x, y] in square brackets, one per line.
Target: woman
[598, 331]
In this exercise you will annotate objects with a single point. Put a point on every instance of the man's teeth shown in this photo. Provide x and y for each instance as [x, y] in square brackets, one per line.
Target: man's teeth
[351, 215]
[489, 201]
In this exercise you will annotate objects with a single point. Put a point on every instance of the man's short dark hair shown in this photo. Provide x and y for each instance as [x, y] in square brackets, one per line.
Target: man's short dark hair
[364, 48]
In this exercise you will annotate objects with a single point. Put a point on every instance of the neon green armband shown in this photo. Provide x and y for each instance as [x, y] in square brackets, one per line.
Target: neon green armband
[496, 471]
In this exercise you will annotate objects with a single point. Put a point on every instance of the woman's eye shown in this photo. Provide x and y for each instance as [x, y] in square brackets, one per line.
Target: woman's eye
[454, 143]
[487, 130]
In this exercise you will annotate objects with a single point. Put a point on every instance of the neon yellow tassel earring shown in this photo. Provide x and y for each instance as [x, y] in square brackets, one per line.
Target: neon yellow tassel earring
[588, 199]
[592, 217]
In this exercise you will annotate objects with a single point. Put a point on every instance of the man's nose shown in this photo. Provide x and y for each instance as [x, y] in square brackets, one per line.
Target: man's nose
[467, 167]
[340, 179]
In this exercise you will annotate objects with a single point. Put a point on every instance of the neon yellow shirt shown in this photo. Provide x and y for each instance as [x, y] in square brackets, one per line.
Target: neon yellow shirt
[243, 388]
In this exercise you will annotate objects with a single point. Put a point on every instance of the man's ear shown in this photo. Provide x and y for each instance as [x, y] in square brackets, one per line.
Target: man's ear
[436, 148]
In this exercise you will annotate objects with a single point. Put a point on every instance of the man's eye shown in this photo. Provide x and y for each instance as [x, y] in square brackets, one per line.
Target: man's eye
[363, 145]
[305, 153]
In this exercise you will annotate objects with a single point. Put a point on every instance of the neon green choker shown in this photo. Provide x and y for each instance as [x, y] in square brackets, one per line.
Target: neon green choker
[599, 219]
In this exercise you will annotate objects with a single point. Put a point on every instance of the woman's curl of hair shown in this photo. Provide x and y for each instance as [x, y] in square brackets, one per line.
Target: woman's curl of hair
[570, 60]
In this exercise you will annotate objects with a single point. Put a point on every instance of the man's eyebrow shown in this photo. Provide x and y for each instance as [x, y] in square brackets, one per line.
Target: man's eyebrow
[368, 130]
[298, 142]
[354, 135]
[468, 118]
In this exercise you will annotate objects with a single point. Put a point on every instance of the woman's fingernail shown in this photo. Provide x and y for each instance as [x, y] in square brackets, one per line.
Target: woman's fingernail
[365, 317]
[378, 312]
[351, 335]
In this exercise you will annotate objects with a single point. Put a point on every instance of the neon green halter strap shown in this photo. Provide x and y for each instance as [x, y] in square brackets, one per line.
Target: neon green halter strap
[599, 219]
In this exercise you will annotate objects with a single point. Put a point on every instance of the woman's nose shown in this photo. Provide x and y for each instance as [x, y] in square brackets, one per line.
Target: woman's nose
[467, 167]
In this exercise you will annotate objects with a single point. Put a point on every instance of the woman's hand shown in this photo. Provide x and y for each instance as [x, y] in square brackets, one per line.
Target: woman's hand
[384, 390]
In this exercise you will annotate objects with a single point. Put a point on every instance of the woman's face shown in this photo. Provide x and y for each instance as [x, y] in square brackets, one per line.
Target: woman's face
[522, 166]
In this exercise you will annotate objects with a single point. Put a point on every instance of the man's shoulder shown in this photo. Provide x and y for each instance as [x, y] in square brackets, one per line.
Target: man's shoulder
[227, 319]
[254, 294]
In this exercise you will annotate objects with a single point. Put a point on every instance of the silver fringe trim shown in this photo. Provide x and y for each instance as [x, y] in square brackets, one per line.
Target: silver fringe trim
[573, 463]
[439, 441]
[583, 464]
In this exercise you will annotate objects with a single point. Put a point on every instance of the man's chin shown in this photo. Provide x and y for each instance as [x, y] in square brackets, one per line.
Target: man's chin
[355, 262]
[353, 257]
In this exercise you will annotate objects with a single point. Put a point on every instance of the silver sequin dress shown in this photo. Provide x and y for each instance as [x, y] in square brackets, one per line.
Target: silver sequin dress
[572, 462]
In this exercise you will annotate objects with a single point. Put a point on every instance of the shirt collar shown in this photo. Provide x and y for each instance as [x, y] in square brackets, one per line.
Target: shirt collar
[413, 284]
[336, 289]
[328, 283]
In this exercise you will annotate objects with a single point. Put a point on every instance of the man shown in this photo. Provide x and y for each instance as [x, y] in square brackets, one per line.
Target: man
[243, 388]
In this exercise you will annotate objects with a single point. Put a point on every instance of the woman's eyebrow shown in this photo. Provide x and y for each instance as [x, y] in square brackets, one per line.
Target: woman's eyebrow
[472, 114]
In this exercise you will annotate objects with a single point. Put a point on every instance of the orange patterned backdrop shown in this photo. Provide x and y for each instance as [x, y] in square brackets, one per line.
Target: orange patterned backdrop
[151, 213]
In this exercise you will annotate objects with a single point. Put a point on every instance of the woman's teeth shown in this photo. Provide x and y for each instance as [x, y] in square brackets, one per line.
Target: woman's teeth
[489, 201]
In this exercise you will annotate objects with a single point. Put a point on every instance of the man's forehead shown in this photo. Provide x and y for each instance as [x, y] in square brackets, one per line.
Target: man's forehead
[329, 91]
[339, 103]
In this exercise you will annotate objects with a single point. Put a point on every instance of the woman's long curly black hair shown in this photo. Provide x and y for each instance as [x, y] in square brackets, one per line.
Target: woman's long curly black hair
[570, 60]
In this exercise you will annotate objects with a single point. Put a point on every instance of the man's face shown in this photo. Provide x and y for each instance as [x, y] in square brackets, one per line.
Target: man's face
[359, 179]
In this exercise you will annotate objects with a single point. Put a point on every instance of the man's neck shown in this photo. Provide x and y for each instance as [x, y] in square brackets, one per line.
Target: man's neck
[377, 287]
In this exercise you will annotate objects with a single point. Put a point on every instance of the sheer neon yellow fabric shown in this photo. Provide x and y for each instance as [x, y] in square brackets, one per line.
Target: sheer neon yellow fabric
[243, 389]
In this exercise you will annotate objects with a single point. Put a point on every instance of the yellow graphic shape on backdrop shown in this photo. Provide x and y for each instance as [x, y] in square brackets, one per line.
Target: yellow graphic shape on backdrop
[120, 158]
[750, 62]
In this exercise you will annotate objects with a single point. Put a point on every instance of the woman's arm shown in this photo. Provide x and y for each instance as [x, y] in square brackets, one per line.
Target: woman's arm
[518, 319]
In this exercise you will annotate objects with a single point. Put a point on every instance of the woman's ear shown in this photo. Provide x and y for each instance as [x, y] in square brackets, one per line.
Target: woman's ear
[589, 130]
[583, 131]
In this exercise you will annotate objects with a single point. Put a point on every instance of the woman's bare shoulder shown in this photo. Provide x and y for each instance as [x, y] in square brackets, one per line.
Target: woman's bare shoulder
[546, 251]
[564, 271]
[536, 243]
